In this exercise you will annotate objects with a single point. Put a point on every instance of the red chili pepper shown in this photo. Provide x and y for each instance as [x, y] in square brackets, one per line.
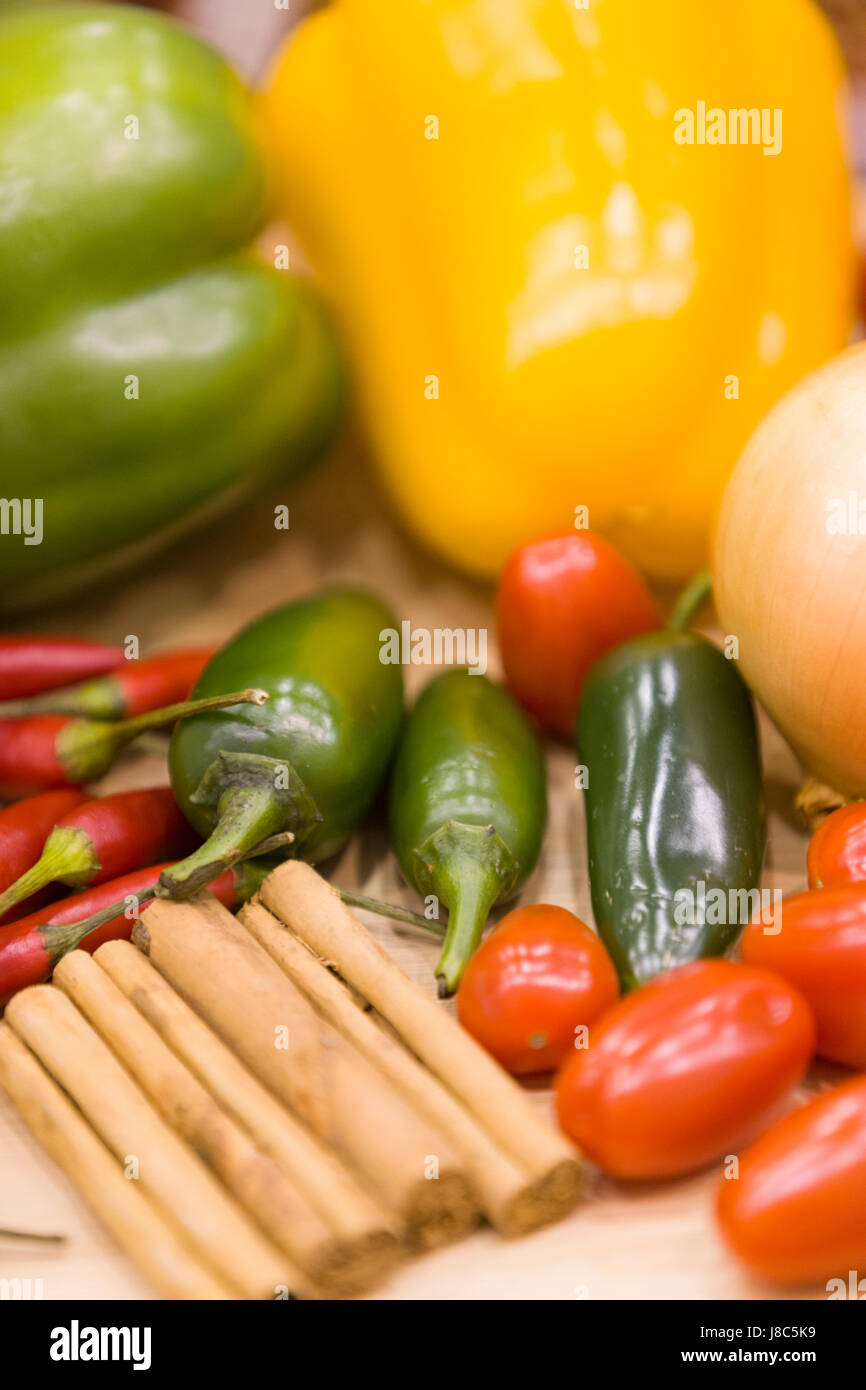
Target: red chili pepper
[43, 751]
[30, 948]
[132, 687]
[102, 839]
[29, 665]
[145, 685]
[23, 828]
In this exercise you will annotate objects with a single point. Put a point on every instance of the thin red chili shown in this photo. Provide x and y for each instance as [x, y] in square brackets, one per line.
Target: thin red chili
[31, 664]
[161, 680]
[130, 688]
[23, 829]
[41, 751]
[30, 947]
[102, 839]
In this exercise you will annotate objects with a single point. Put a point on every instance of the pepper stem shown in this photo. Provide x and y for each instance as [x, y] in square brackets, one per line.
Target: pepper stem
[68, 856]
[38, 1237]
[397, 914]
[690, 601]
[469, 868]
[86, 748]
[253, 797]
[60, 939]
[100, 698]
[470, 890]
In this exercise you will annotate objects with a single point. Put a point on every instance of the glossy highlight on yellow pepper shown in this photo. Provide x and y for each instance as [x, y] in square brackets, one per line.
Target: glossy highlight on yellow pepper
[561, 282]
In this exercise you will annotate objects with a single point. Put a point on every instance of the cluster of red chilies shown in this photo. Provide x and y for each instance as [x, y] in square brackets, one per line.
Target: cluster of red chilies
[67, 707]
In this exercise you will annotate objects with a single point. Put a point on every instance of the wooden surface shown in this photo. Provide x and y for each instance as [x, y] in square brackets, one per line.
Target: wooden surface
[655, 1241]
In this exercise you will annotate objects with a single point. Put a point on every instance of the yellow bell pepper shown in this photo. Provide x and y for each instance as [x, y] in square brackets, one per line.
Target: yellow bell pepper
[578, 248]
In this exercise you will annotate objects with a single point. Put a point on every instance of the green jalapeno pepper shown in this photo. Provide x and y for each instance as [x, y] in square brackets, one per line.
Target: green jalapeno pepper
[674, 808]
[311, 759]
[467, 806]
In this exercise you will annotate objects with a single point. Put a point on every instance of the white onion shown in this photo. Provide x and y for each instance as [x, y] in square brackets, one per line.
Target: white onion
[789, 569]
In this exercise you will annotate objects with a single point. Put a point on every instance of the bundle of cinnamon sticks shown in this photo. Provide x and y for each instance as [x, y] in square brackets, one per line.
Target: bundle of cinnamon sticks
[267, 1106]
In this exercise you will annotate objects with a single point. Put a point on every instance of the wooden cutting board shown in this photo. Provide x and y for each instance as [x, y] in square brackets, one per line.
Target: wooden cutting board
[650, 1241]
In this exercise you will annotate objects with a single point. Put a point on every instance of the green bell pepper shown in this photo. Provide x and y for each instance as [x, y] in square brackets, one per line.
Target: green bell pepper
[308, 761]
[674, 804]
[467, 806]
[152, 368]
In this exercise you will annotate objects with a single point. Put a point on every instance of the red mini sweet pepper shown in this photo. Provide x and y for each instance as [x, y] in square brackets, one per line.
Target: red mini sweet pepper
[837, 850]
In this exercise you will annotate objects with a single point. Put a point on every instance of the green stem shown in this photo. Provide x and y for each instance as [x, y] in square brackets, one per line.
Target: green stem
[252, 797]
[468, 868]
[397, 914]
[37, 1236]
[100, 698]
[67, 857]
[59, 940]
[248, 817]
[691, 600]
[87, 747]
[264, 847]
[469, 887]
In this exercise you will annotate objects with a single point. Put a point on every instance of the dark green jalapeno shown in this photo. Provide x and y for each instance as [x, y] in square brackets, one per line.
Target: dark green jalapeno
[674, 807]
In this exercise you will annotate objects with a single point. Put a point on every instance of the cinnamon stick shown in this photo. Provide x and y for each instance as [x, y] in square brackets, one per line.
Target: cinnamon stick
[191, 1199]
[250, 1175]
[297, 895]
[501, 1185]
[365, 1237]
[133, 1220]
[227, 977]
